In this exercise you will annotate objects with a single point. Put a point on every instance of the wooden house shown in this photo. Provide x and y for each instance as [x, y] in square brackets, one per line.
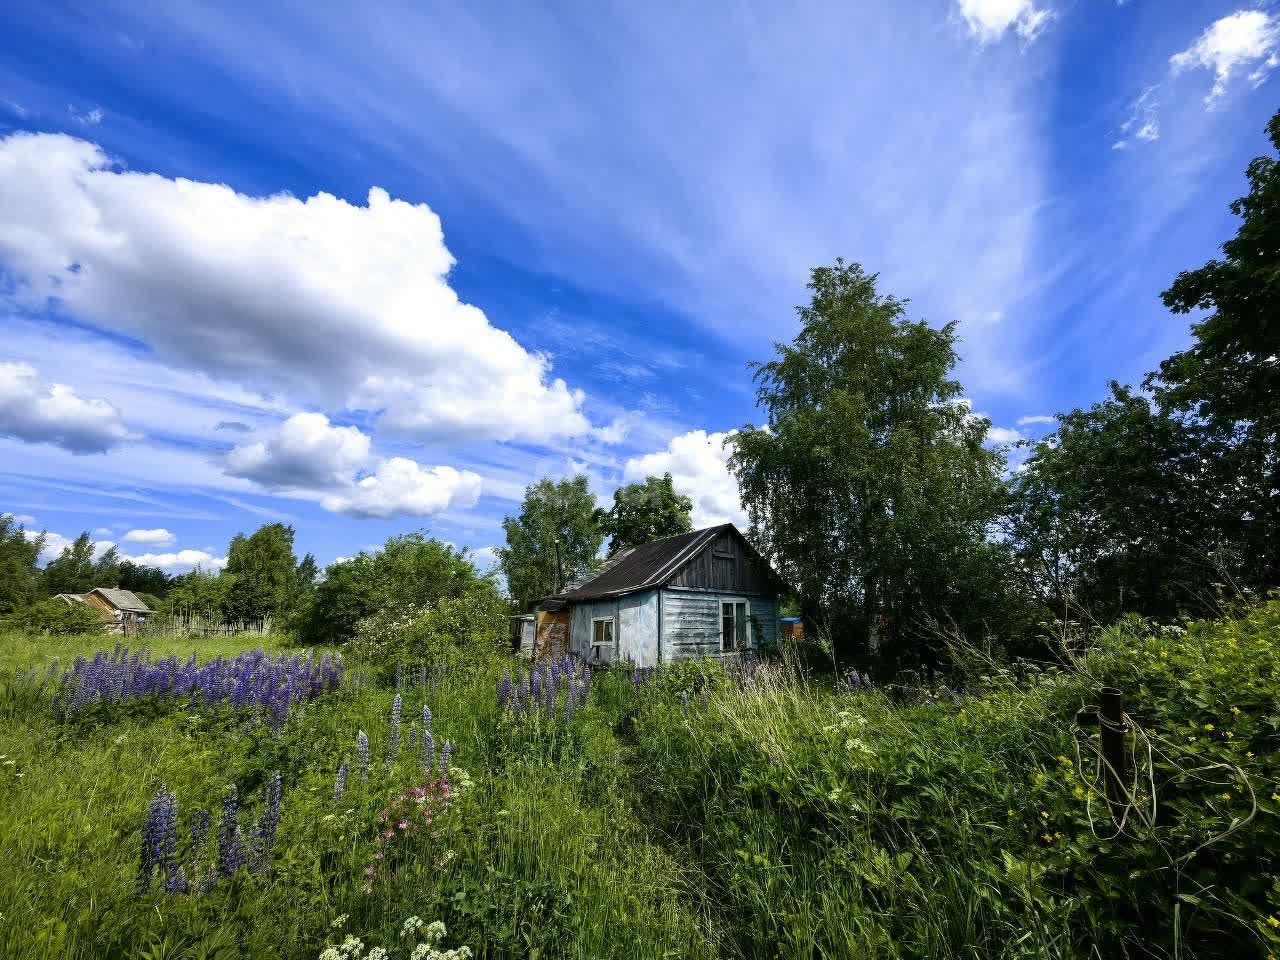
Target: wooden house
[119, 609]
[704, 593]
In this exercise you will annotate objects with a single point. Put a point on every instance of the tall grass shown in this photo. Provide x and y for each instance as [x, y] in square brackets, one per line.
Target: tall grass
[698, 815]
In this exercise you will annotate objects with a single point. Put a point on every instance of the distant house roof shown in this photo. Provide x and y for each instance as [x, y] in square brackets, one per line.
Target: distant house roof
[640, 568]
[121, 599]
[69, 597]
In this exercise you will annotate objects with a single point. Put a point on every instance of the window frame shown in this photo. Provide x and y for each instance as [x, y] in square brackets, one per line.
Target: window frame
[744, 630]
[613, 639]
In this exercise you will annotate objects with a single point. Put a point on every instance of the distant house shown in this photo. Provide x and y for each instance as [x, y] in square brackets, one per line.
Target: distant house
[119, 609]
[705, 593]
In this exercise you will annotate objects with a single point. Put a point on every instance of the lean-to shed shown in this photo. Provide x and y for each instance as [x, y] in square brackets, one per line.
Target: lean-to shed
[704, 593]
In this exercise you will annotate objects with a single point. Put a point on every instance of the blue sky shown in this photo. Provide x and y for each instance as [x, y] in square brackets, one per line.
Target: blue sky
[369, 271]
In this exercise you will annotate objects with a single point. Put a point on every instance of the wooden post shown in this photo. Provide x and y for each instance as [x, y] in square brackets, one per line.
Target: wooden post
[1113, 729]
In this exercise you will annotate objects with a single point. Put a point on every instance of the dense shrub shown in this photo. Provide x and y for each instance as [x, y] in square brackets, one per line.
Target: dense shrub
[55, 617]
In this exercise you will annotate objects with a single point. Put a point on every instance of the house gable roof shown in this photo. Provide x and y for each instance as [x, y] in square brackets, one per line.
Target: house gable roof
[645, 567]
[121, 599]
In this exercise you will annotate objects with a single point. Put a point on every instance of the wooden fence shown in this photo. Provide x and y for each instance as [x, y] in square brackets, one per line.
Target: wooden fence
[169, 626]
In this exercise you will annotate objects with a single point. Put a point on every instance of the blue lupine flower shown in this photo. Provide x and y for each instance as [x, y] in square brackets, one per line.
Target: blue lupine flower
[505, 690]
[444, 759]
[231, 854]
[428, 751]
[362, 755]
[152, 839]
[426, 717]
[199, 828]
[393, 749]
[413, 735]
[267, 826]
[340, 783]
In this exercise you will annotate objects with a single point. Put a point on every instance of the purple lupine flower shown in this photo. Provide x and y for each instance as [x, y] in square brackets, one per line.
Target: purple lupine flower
[535, 688]
[570, 702]
[413, 735]
[230, 848]
[176, 882]
[199, 828]
[340, 783]
[266, 839]
[505, 690]
[399, 675]
[426, 717]
[152, 839]
[393, 748]
[362, 755]
[445, 751]
[428, 758]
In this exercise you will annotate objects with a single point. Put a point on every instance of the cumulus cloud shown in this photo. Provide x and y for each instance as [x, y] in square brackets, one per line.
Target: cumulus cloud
[1246, 38]
[988, 20]
[1003, 435]
[401, 486]
[306, 451]
[55, 543]
[698, 464]
[40, 412]
[180, 561]
[158, 537]
[1038, 418]
[327, 301]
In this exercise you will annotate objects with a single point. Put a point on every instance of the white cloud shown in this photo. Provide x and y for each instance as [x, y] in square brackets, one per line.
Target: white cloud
[40, 412]
[158, 537]
[401, 486]
[180, 561]
[24, 518]
[1038, 418]
[1002, 435]
[1143, 122]
[1241, 39]
[989, 19]
[306, 451]
[698, 464]
[485, 558]
[333, 303]
[90, 118]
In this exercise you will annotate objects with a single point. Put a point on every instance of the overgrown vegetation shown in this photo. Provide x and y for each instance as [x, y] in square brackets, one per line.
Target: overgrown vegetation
[690, 812]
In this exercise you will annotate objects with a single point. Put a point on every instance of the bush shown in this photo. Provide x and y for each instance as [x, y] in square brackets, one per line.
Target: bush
[470, 626]
[56, 617]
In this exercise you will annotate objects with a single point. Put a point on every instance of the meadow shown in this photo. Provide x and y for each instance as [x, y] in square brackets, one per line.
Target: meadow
[688, 812]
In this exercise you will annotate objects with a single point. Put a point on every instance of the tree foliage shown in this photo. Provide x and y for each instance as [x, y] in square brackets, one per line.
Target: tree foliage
[553, 511]
[262, 573]
[870, 489]
[1228, 379]
[75, 569]
[19, 576]
[1119, 510]
[411, 572]
[644, 512]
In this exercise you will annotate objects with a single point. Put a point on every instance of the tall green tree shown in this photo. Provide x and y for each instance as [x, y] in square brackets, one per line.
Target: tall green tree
[76, 570]
[410, 571]
[871, 490]
[19, 576]
[200, 593]
[141, 578]
[644, 512]
[1119, 509]
[1229, 377]
[263, 573]
[562, 512]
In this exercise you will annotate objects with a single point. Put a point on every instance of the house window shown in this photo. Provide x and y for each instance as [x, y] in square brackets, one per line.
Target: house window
[602, 640]
[735, 625]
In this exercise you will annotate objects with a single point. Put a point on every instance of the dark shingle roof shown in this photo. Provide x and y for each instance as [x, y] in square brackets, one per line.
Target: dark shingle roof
[641, 567]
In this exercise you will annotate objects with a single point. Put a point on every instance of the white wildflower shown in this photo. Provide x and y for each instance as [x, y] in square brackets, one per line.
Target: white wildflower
[330, 953]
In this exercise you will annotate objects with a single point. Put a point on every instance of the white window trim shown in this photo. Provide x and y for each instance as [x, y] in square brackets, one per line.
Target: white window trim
[613, 632]
[747, 638]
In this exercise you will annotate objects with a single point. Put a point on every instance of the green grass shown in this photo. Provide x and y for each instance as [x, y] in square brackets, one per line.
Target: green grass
[781, 819]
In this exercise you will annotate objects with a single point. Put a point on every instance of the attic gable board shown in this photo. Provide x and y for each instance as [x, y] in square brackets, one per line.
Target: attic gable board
[728, 564]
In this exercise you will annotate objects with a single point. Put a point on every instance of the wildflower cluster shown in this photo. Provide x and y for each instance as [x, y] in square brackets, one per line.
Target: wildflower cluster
[851, 680]
[252, 679]
[427, 940]
[237, 847]
[405, 822]
[538, 691]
